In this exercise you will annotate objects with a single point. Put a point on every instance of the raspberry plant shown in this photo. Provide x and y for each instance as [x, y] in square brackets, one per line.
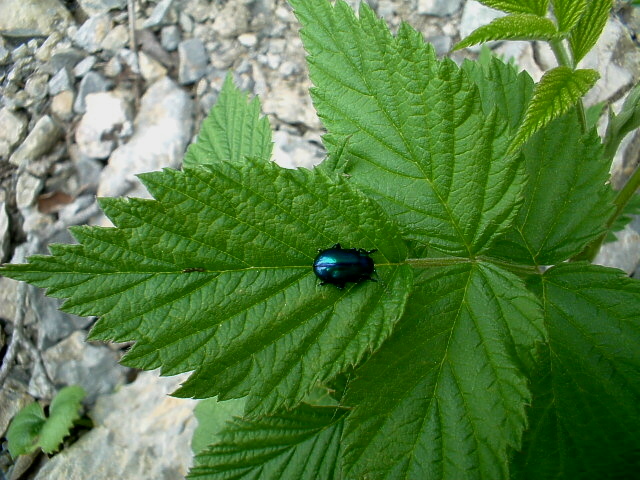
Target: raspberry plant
[490, 347]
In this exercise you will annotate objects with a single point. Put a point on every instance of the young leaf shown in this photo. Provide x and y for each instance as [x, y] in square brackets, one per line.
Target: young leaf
[567, 200]
[520, 26]
[588, 29]
[302, 443]
[558, 90]
[233, 130]
[31, 429]
[215, 277]
[419, 141]
[536, 7]
[501, 87]
[22, 435]
[450, 385]
[585, 416]
[568, 12]
[623, 123]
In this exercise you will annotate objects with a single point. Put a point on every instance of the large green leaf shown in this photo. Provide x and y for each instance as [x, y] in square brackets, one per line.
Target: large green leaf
[501, 87]
[519, 26]
[303, 443]
[413, 129]
[586, 32]
[568, 12]
[445, 396]
[215, 277]
[585, 416]
[567, 200]
[233, 130]
[557, 92]
[536, 7]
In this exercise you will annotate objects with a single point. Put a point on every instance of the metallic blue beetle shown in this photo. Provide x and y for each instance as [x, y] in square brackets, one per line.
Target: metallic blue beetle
[338, 266]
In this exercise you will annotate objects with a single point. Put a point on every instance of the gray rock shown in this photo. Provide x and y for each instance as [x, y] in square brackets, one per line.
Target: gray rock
[5, 55]
[193, 61]
[615, 56]
[291, 151]
[170, 37]
[62, 105]
[51, 44]
[76, 362]
[13, 396]
[4, 233]
[36, 87]
[28, 188]
[40, 140]
[13, 127]
[161, 134]
[67, 58]
[91, 83]
[140, 432]
[163, 14]
[107, 118]
[60, 82]
[116, 39]
[439, 8]
[150, 69]
[25, 18]
[39, 384]
[624, 253]
[87, 171]
[442, 44]
[186, 22]
[113, 68]
[85, 66]
[130, 59]
[95, 7]
[232, 20]
[92, 32]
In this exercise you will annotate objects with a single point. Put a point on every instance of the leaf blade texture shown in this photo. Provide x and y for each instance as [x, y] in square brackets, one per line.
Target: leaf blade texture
[301, 443]
[215, 277]
[501, 87]
[586, 32]
[418, 139]
[568, 13]
[535, 7]
[520, 26]
[567, 200]
[451, 386]
[585, 415]
[557, 92]
[233, 130]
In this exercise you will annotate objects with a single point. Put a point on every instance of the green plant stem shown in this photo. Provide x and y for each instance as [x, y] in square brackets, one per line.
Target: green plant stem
[565, 59]
[623, 197]
[446, 261]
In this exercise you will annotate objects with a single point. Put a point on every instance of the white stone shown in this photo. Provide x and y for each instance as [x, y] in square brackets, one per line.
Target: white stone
[604, 58]
[42, 17]
[150, 68]
[438, 8]
[107, 117]
[4, 232]
[161, 134]
[139, 433]
[40, 140]
[12, 128]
